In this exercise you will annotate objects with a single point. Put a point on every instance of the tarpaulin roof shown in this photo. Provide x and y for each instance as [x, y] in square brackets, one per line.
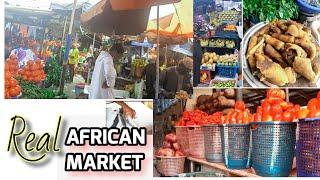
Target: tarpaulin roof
[103, 19]
[138, 4]
[175, 28]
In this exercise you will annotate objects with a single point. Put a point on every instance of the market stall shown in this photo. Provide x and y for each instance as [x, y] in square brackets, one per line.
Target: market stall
[218, 32]
[243, 132]
[286, 35]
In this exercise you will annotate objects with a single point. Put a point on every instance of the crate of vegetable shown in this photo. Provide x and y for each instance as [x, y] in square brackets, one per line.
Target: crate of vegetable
[235, 137]
[223, 83]
[170, 159]
[227, 69]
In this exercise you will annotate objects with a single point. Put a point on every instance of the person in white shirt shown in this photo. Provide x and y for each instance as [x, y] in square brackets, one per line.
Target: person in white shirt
[104, 73]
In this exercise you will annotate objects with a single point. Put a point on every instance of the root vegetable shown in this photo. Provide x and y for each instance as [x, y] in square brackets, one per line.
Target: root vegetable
[224, 102]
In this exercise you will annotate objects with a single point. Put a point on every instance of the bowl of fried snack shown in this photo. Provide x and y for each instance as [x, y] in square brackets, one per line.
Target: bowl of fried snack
[282, 53]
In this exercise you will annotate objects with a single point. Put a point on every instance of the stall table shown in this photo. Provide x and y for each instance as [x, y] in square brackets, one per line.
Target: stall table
[235, 172]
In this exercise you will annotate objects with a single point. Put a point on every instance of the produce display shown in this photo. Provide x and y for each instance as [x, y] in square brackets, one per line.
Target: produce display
[228, 15]
[239, 115]
[12, 65]
[220, 43]
[138, 65]
[32, 91]
[282, 52]
[33, 72]
[209, 59]
[223, 84]
[171, 148]
[269, 10]
[275, 108]
[12, 88]
[312, 110]
[218, 101]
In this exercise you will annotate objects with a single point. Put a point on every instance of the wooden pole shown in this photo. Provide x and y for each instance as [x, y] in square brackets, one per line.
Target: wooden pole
[158, 53]
[68, 44]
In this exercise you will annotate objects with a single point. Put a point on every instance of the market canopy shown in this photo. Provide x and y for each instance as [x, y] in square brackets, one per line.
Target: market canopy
[175, 28]
[103, 19]
[108, 16]
[138, 4]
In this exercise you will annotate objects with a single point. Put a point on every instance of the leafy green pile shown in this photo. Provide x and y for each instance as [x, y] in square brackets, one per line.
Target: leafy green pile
[53, 70]
[269, 10]
[32, 91]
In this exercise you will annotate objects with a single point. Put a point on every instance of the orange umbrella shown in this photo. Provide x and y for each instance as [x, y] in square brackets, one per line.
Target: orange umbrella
[138, 4]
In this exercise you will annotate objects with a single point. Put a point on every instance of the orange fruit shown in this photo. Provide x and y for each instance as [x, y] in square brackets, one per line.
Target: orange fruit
[30, 62]
[13, 92]
[18, 89]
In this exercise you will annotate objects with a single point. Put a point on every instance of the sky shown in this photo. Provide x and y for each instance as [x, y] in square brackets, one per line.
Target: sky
[45, 4]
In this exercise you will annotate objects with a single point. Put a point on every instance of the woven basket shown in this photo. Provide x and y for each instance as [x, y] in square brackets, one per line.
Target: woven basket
[196, 142]
[182, 138]
[170, 166]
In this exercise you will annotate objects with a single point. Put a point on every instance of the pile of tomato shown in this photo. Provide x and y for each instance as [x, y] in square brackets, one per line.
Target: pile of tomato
[313, 108]
[12, 88]
[192, 118]
[12, 65]
[33, 72]
[239, 115]
[273, 108]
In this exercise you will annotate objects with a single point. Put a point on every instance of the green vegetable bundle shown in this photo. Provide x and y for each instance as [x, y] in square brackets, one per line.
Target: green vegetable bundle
[269, 10]
[33, 91]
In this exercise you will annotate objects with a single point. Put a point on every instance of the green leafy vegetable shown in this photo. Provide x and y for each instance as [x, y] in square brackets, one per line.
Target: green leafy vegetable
[269, 10]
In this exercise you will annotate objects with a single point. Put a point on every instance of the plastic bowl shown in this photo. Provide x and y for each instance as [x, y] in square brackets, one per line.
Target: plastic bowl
[305, 7]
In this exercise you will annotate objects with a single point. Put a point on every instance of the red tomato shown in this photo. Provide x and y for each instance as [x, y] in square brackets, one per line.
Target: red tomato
[286, 105]
[276, 109]
[266, 117]
[313, 104]
[240, 105]
[287, 116]
[276, 93]
[274, 100]
[303, 113]
[318, 95]
[266, 107]
[314, 113]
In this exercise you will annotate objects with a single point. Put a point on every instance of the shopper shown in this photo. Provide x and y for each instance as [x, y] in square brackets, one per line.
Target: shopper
[104, 73]
[73, 59]
[177, 78]
[150, 73]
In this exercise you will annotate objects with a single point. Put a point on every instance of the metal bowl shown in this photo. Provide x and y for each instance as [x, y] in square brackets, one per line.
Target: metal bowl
[253, 80]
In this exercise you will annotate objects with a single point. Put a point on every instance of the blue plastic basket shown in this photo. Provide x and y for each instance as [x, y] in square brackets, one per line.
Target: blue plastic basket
[212, 143]
[308, 147]
[273, 146]
[305, 7]
[227, 71]
[235, 140]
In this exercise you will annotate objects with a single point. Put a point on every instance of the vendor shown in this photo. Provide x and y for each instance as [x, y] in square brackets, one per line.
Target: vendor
[104, 73]
[150, 73]
[177, 78]
[73, 60]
